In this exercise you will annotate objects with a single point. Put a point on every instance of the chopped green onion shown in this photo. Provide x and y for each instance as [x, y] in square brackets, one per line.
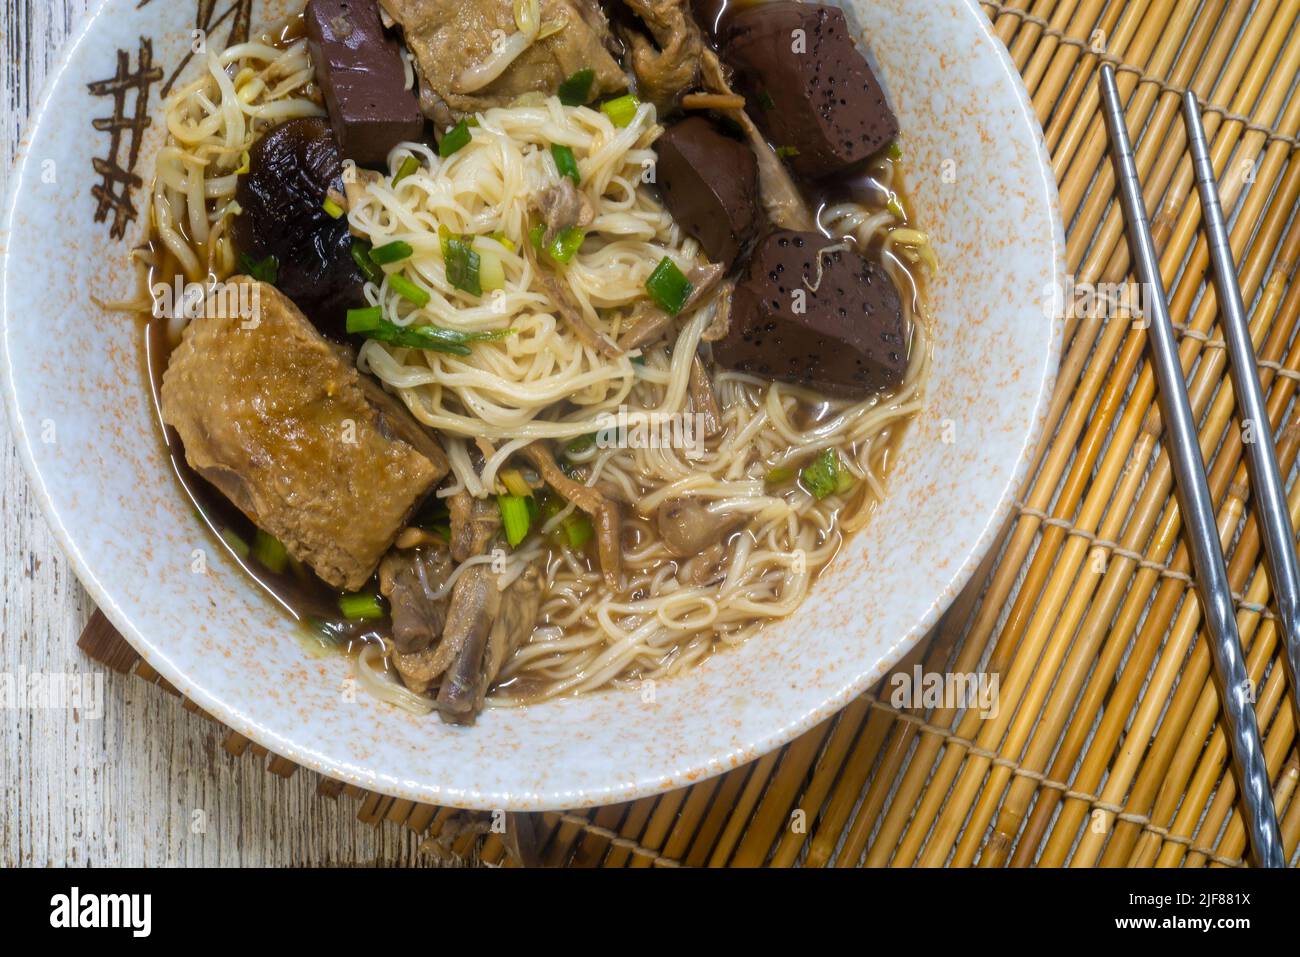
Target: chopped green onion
[578, 530]
[504, 240]
[894, 150]
[514, 518]
[462, 264]
[245, 163]
[566, 245]
[576, 90]
[360, 606]
[765, 100]
[845, 481]
[822, 477]
[410, 166]
[409, 290]
[433, 338]
[621, 111]
[265, 270]
[581, 444]
[391, 253]
[365, 320]
[235, 543]
[270, 551]
[785, 152]
[780, 475]
[536, 234]
[513, 480]
[669, 287]
[638, 360]
[895, 207]
[491, 273]
[565, 162]
[366, 265]
[332, 209]
[456, 138]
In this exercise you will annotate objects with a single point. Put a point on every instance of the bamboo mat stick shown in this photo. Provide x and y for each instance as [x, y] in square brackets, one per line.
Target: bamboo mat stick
[661, 821]
[1045, 71]
[592, 846]
[633, 824]
[688, 821]
[1116, 33]
[829, 765]
[849, 789]
[745, 804]
[708, 833]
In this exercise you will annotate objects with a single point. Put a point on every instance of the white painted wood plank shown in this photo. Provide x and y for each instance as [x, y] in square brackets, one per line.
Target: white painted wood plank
[124, 790]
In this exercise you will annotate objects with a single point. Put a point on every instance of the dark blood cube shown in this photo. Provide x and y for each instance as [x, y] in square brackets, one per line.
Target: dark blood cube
[842, 334]
[709, 182]
[360, 71]
[807, 86]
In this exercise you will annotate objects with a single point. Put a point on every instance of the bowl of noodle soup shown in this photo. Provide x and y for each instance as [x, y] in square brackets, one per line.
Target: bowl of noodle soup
[669, 676]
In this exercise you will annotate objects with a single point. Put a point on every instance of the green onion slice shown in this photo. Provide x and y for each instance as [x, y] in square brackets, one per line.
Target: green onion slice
[822, 477]
[391, 253]
[514, 518]
[264, 270]
[621, 111]
[669, 287]
[577, 529]
[462, 264]
[366, 265]
[410, 166]
[566, 245]
[409, 290]
[360, 606]
[371, 324]
[457, 138]
[235, 543]
[270, 552]
[565, 162]
[332, 209]
[576, 90]
[515, 483]
[780, 475]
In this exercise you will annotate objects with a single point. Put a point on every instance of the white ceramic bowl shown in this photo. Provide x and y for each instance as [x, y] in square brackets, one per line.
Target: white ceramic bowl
[74, 384]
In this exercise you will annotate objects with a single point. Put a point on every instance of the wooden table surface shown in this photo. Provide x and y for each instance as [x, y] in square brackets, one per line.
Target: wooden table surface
[148, 784]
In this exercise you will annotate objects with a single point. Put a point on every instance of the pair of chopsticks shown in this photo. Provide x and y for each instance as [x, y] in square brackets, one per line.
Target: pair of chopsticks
[1268, 493]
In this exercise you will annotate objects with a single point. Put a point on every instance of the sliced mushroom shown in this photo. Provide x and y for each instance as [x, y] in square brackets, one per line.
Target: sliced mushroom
[571, 314]
[703, 398]
[688, 528]
[608, 517]
[411, 580]
[562, 207]
[487, 626]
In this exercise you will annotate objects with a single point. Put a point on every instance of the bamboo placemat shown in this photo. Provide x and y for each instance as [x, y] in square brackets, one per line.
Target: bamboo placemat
[1104, 749]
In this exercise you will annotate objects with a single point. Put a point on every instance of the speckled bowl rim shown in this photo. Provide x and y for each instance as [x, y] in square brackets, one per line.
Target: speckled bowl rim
[229, 714]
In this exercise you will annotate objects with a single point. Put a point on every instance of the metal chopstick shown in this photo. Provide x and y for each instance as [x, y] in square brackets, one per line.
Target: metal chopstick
[1267, 489]
[1201, 529]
